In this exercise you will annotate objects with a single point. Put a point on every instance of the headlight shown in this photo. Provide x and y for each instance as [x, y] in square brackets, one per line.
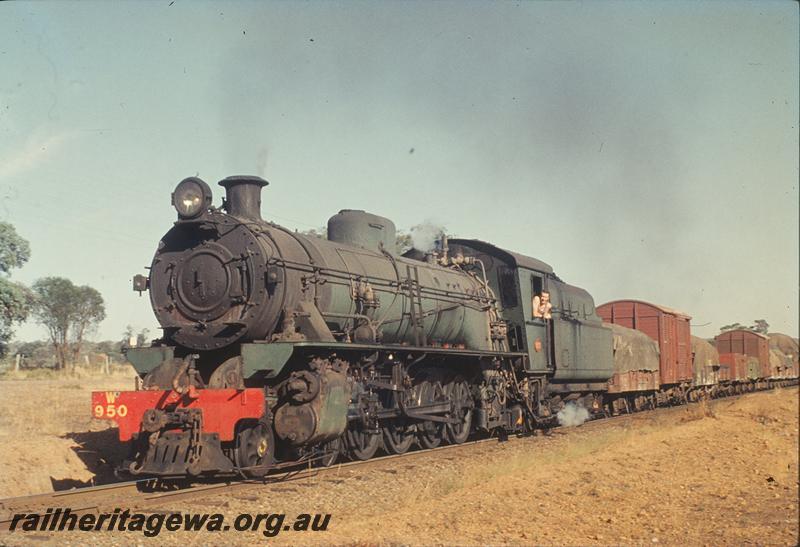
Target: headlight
[191, 197]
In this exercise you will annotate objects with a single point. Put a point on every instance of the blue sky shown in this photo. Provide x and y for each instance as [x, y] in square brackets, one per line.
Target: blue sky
[645, 150]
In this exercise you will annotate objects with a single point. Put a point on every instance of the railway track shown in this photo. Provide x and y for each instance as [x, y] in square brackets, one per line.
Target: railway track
[137, 495]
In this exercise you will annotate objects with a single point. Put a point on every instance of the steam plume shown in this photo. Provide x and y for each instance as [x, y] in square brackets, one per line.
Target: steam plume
[424, 236]
[572, 415]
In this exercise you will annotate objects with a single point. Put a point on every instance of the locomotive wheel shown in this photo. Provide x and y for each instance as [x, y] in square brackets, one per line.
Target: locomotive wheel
[458, 392]
[255, 447]
[429, 434]
[361, 445]
[398, 437]
[330, 452]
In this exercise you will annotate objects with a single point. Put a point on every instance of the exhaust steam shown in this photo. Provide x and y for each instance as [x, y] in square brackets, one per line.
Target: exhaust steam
[572, 415]
[424, 236]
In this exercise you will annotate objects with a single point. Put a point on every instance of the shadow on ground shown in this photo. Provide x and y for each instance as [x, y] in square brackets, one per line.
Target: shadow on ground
[101, 452]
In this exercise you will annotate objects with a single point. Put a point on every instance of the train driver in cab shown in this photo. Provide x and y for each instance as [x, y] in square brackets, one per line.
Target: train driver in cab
[542, 306]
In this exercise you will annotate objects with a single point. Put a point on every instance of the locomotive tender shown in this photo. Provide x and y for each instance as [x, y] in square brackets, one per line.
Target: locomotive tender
[278, 346]
[281, 348]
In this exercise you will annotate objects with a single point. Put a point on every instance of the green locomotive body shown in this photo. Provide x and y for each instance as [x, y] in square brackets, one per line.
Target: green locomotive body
[352, 346]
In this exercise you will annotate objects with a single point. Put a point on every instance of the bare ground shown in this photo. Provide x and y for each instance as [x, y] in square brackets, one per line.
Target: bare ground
[725, 473]
[48, 439]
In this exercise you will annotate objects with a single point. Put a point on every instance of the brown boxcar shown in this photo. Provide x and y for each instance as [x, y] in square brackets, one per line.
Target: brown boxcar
[668, 327]
[736, 364]
[747, 342]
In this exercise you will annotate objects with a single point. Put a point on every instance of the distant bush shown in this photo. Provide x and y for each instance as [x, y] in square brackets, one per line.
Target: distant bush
[40, 355]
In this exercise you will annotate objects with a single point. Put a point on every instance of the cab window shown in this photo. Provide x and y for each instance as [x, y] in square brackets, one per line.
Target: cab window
[507, 280]
[536, 285]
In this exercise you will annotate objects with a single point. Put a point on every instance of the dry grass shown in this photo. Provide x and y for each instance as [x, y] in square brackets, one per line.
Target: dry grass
[764, 414]
[78, 373]
[47, 434]
[519, 463]
[55, 403]
[698, 411]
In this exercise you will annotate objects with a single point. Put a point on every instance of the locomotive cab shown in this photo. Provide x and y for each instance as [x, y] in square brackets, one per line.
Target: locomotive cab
[572, 345]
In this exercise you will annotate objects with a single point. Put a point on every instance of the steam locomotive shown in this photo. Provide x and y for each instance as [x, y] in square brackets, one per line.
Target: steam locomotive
[283, 347]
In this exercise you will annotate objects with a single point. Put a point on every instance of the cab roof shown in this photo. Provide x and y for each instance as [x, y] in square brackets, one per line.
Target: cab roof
[510, 257]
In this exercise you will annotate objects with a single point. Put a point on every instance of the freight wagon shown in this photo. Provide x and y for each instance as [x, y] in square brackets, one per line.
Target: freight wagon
[670, 330]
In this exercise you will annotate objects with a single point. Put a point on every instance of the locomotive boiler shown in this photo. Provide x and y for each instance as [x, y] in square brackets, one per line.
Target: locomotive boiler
[219, 279]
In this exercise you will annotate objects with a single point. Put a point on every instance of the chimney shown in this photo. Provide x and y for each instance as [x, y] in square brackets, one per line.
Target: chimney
[243, 196]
